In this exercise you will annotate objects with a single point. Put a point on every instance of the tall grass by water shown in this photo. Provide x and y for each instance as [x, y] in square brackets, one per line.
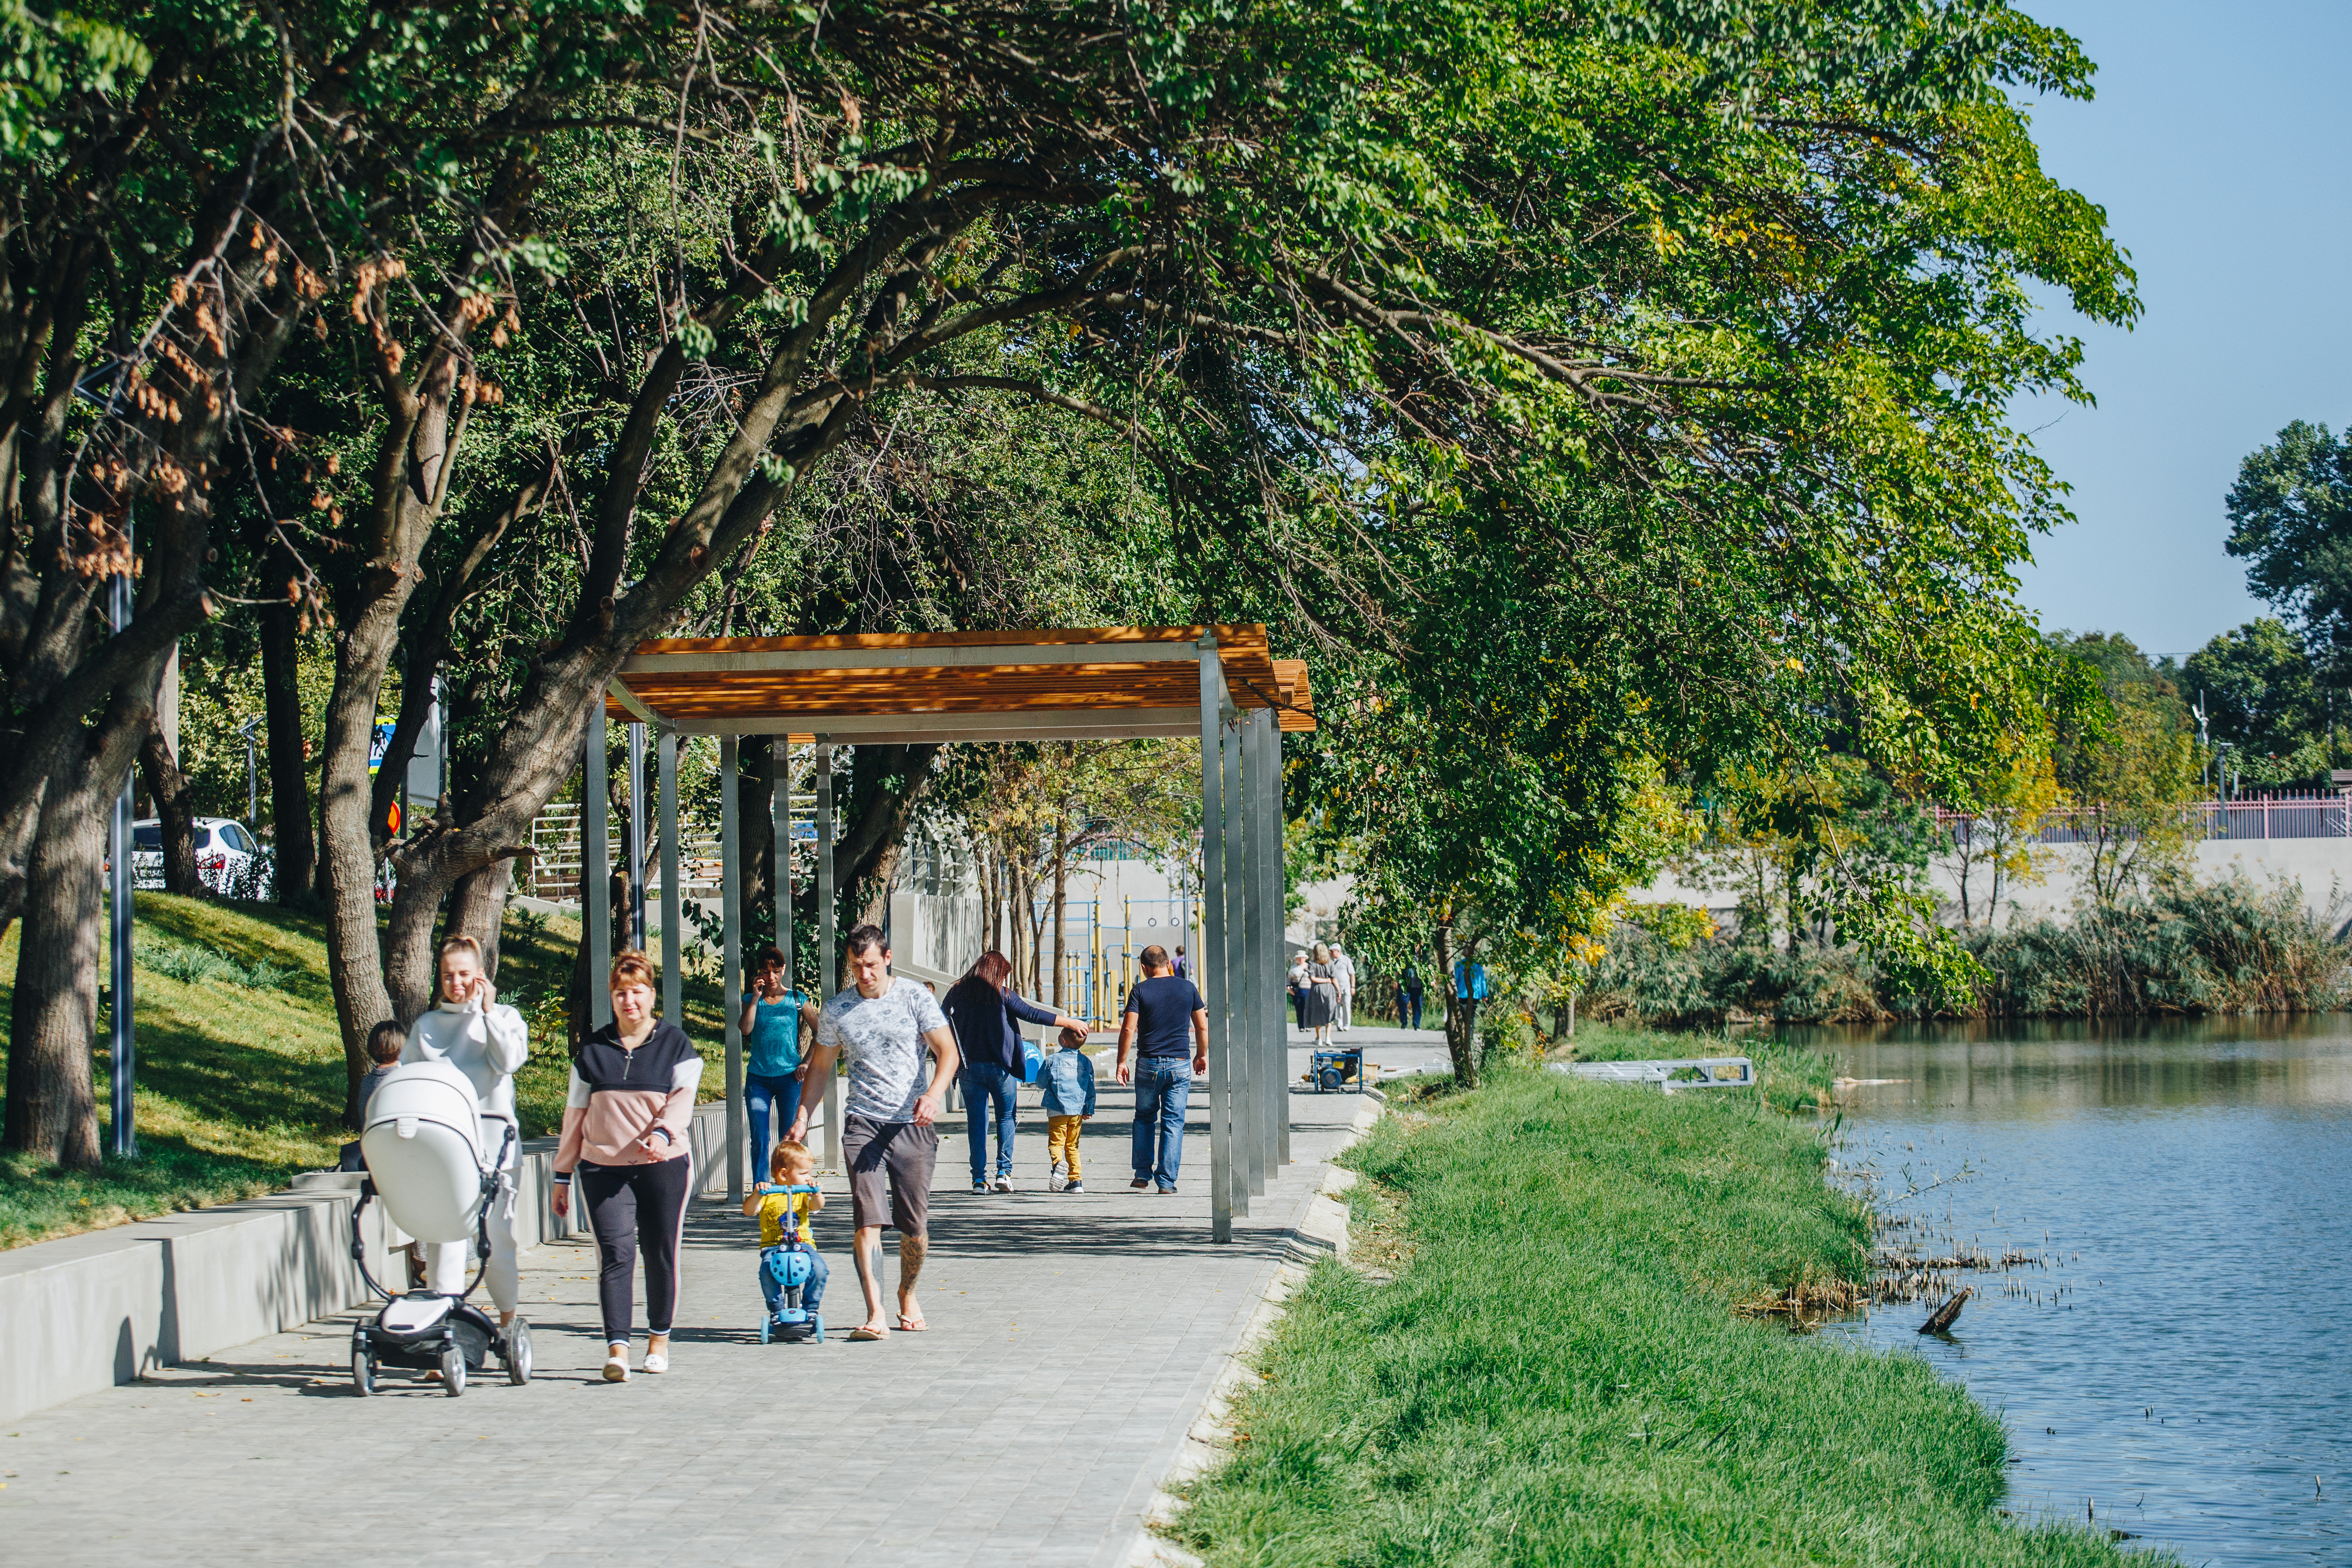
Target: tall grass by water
[1536, 1361]
[2225, 948]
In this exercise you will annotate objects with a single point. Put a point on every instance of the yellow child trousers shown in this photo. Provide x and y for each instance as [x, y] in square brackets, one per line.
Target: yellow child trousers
[1061, 1140]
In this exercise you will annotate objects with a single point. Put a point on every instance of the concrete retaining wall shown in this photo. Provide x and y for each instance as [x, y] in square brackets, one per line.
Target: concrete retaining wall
[86, 1312]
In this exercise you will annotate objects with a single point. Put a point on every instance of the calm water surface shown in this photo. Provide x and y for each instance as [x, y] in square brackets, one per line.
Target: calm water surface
[2184, 1365]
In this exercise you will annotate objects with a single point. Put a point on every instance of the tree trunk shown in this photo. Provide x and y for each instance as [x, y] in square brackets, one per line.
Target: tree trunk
[53, 1019]
[478, 907]
[1461, 1012]
[175, 812]
[289, 785]
[756, 799]
[356, 954]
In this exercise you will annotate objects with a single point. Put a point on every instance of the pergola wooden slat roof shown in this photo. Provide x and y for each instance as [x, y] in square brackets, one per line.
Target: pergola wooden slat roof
[1110, 681]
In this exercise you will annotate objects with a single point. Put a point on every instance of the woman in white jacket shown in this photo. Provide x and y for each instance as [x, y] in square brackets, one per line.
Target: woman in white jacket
[481, 1037]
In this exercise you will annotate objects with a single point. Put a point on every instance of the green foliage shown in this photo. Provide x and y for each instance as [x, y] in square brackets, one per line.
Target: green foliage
[46, 57]
[2134, 767]
[1547, 1369]
[2291, 521]
[2263, 699]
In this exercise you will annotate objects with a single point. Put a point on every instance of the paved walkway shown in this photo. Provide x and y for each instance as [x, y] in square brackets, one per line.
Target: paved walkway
[1072, 1341]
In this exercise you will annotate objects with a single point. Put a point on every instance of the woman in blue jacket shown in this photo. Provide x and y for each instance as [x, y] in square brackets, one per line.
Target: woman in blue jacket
[987, 1016]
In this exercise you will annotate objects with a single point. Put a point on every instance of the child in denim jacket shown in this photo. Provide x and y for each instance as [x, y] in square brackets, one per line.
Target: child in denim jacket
[1069, 1078]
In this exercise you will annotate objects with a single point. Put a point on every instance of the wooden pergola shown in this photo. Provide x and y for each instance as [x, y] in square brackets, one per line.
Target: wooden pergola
[1218, 682]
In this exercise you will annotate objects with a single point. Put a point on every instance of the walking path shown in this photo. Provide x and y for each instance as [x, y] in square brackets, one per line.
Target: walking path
[1072, 1341]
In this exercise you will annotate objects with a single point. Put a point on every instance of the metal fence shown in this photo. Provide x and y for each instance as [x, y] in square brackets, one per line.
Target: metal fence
[557, 855]
[2290, 814]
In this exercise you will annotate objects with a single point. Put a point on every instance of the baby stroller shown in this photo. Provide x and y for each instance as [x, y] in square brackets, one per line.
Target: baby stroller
[423, 1146]
[790, 1264]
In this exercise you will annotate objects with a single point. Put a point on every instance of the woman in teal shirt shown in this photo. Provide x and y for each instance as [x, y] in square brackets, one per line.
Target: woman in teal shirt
[771, 1023]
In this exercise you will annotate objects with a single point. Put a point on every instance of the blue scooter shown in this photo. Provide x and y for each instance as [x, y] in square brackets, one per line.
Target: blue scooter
[790, 1263]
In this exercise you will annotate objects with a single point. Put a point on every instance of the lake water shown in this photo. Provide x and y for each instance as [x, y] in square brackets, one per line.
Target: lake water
[2183, 1367]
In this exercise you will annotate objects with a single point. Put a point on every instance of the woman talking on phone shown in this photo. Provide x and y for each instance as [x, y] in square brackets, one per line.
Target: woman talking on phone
[775, 1023]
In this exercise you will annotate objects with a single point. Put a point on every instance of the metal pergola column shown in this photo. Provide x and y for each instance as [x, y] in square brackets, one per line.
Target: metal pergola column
[1249, 1065]
[637, 836]
[1262, 753]
[672, 920]
[730, 981]
[596, 869]
[828, 971]
[1213, 971]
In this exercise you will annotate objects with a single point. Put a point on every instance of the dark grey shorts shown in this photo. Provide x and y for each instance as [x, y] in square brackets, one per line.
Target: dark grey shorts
[890, 1166]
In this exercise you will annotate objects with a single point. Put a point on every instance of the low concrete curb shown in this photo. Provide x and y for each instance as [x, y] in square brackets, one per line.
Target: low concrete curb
[1319, 1228]
[87, 1312]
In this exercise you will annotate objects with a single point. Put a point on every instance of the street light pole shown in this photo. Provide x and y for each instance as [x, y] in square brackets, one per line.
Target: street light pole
[252, 779]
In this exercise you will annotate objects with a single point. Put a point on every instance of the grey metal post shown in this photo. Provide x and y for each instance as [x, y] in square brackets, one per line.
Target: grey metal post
[637, 835]
[1249, 1159]
[1213, 945]
[779, 824]
[731, 985]
[673, 915]
[596, 868]
[827, 921]
[125, 1139]
[1266, 808]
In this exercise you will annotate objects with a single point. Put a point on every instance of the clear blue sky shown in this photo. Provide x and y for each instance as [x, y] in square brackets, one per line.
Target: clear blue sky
[2217, 145]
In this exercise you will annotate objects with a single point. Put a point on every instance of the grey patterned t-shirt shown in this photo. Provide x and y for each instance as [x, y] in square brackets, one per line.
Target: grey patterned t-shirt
[881, 1038]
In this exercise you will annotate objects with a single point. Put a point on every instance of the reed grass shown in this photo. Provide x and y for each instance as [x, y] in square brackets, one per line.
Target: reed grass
[1546, 1368]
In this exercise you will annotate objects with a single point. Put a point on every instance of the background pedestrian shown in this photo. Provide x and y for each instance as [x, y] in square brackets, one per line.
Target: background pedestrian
[986, 1016]
[1164, 1016]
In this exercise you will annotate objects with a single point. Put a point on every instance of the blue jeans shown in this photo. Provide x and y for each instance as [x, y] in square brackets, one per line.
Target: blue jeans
[1163, 1085]
[987, 1087]
[759, 1093]
[811, 1294]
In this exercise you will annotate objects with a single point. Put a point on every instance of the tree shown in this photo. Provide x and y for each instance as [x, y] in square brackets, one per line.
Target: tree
[2291, 521]
[2000, 833]
[2128, 765]
[2262, 697]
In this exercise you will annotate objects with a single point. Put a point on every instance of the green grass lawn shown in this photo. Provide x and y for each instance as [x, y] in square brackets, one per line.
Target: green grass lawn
[1535, 1360]
[241, 1085]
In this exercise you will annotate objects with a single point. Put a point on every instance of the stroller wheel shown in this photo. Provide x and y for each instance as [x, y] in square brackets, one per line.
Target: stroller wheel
[453, 1371]
[518, 1351]
[362, 1371]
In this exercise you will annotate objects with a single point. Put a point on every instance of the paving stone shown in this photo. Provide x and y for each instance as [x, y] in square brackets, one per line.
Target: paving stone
[1071, 1341]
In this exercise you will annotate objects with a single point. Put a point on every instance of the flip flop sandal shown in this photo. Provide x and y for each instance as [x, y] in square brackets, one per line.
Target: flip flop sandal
[861, 1334]
[912, 1325]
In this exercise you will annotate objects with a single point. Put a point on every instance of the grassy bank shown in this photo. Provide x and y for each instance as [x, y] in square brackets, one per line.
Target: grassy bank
[1536, 1361]
[241, 1067]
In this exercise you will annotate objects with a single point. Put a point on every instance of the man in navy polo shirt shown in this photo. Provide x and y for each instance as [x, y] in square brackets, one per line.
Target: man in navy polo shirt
[1163, 1045]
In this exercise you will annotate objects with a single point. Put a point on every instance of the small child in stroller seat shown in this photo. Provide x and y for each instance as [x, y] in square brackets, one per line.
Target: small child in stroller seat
[784, 1205]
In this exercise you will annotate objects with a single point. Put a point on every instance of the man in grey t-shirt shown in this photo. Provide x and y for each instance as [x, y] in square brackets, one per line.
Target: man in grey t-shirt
[884, 1027]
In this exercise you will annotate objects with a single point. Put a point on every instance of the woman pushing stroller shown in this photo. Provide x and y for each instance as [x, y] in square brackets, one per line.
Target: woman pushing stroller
[483, 1037]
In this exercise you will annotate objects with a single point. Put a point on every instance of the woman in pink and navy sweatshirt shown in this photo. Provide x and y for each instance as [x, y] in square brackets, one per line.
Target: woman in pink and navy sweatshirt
[625, 1147]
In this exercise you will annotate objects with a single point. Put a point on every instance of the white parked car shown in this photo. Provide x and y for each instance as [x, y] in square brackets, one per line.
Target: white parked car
[229, 860]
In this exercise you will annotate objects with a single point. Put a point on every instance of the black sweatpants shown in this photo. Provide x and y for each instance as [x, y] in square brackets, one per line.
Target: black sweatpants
[633, 1207]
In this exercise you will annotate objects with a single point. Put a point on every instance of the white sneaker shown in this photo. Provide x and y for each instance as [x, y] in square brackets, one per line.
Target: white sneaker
[617, 1367]
[1002, 1184]
[1060, 1169]
[1057, 1181]
[656, 1360]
